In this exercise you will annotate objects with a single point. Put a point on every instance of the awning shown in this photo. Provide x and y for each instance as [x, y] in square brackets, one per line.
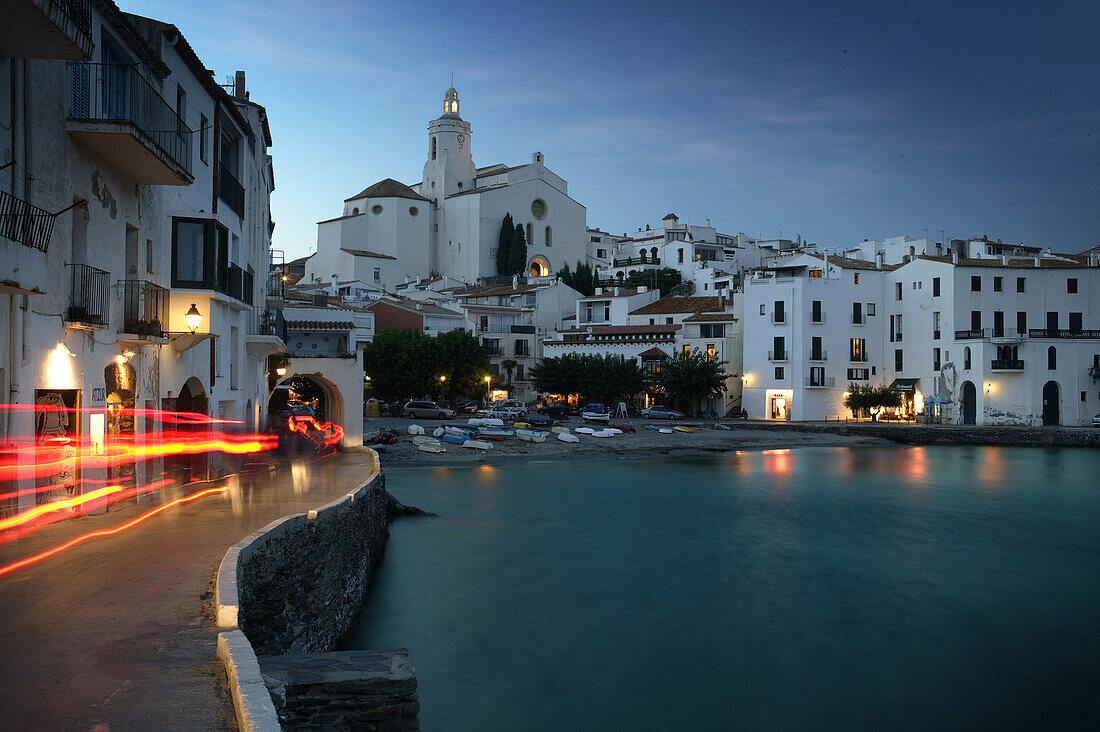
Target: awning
[904, 384]
[937, 400]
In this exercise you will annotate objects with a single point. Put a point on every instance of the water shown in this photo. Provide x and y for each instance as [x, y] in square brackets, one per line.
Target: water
[820, 587]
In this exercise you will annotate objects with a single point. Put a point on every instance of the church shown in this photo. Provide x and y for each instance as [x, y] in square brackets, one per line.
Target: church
[449, 223]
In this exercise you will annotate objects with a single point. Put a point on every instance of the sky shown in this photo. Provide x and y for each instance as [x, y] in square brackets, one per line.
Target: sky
[834, 121]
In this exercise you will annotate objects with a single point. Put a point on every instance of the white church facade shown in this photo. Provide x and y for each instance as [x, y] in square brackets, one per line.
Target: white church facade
[449, 223]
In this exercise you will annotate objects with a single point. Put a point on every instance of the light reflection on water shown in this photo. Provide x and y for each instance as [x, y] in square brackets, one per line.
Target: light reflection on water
[825, 587]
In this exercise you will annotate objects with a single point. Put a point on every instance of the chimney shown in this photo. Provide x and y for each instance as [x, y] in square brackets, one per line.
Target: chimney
[515, 281]
[642, 288]
[599, 290]
[1004, 260]
[616, 291]
[954, 255]
[239, 87]
[880, 259]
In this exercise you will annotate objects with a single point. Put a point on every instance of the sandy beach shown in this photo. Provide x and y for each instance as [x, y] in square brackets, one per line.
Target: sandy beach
[644, 441]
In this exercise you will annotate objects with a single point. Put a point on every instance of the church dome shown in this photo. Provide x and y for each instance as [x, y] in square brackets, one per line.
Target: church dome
[388, 188]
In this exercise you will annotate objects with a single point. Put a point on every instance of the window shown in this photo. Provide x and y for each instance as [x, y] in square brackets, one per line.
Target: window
[966, 358]
[549, 237]
[1075, 322]
[815, 273]
[668, 321]
[976, 321]
[817, 376]
[710, 352]
[483, 323]
[181, 112]
[897, 329]
[975, 283]
[998, 324]
[149, 262]
[594, 239]
[376, 209]
[680, 256]
[355, 211]
[1021, 323]
[936, 325]
[519, 372]
[1071, 285]
[1052, 358]
[858, 375]
[816, 353]
[897, 290]
[998, 284]
[1084, 396]
[761, 308]
[935, 287]
[651, 321]
[870, 309]
[1021, 284]
[778, 372]
[898, 353]
[687, 350]
[779, 349]
[855, 277]
[204, 125]
[538, 209]
[377, 274]
[433, 151]
[413, 211]
[601, 253]
[779, 315]
[935, 359]
[523, 348]
[815, 311]
[857, 313]
[712, 331]
[530, 234]
[858, 349]
[200, 254]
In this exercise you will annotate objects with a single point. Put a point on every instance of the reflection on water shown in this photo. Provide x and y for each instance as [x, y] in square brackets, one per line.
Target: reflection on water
[868, 587]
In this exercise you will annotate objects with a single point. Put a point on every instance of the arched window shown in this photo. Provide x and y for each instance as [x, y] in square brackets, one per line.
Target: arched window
[653, 252]
[966, 358]
[433, 148]
[354, 211]
[530, 235]
[549, 237]
[1052, 358]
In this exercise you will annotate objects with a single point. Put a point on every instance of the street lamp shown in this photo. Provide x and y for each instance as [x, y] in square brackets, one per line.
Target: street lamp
[281, 371]
[443, 388]
[193, 318]
[488, 396]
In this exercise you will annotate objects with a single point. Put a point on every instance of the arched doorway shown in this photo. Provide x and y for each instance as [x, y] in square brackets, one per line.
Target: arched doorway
[1051, 404]
[969, 403]
[192, 399]
[540, 267]
[311, 390]
[120, 381]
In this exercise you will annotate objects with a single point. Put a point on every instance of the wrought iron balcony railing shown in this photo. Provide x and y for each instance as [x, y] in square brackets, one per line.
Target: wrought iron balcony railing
[89, 303]
[230, 190]
[1006, 364]
[629, 261]
[25, 223]
[1060, 333]
[144, 308]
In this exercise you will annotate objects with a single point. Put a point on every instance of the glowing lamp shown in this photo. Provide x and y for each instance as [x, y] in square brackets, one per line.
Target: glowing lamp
[128, 353]
[488, 379]
[442, 378]
[193, 318]
[988, 387]
[281, 371]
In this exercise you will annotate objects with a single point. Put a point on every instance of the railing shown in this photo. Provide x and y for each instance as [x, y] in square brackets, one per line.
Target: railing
[78, 12]
[528, 329]
[1006, 364]
[230, 190]
[628, 261]
[247, 286]
[1059, 333]
[144, 308]
[861, 320]
[88, 296]
[858, 358]
[819, 355]
[777, 355]
[935, 335]
[329, 353]
[25, 223]
[779, 318]
[118, 92]
[235, 281]
[823, 381]
[962, 335]
[269, 322]
[818, 320]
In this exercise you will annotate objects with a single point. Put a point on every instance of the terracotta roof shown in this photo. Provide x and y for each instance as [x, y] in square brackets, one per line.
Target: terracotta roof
[669, 305]
[610, 292]
[1014, 263]
[711, 318]
[670, 216]
[625, 329]
[849, 263]
[653, 353]
[320, 325]
[509, 290]
[388, 188]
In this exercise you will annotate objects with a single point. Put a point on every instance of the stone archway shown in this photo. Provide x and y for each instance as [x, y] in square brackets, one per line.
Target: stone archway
[540, 267]
[1052, 408]
[192, 399]
[311, 389]
[969, 403]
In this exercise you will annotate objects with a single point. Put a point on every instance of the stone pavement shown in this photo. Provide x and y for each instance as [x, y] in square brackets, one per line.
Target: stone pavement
[116, 633]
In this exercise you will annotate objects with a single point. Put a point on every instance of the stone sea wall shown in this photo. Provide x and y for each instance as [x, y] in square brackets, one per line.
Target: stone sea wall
[294, 589]
[943, 434]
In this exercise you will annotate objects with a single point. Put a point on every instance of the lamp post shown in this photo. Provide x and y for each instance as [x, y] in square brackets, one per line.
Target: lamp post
[443, 388]
[193, 318]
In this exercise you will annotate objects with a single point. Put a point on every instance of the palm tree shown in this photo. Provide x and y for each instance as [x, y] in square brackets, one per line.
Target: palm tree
[509, 366]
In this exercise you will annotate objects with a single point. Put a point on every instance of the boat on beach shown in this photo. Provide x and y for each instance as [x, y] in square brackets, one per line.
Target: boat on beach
[495, 432]
[454, 439]
[429, 447]
[531, 435]
[415, 429]
[452, 430]
[485, 422]
[425, 440]
[603, 433]
[682, 428]
[662, 430]
[567, 437]
[623, 427]
[477, 444]
[585, 430]
[560, 430]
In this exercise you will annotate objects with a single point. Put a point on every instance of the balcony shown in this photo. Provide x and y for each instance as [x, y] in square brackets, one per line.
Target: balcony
[144, 311]
[53, 29]
[89, 305]
[819, 382]
[777, 355]
[819, 355]
[120, 116]
[819, 320]
[1006, 364]
[322, 353]
[24, 223]
[230, 190]
[528, 329]
[861, 320]
[779, 318]
[235, 282]
[1059, 333]
[972, 334]
[267, 334]
[632, 261]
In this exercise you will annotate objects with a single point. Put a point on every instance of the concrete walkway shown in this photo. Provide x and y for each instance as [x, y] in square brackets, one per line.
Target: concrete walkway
[116, 633]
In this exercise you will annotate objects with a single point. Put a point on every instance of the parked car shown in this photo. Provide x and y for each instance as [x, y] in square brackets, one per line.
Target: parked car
[466, 406]
[1096, 421]
[511, 409]
[557, 409]
[427, 410]
[661, 412]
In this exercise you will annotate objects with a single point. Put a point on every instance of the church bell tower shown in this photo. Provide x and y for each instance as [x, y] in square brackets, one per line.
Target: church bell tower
[450, 168]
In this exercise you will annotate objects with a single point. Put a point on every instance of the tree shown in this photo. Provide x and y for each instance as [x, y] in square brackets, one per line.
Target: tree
[583, 279]
[403, 363]
[463, 360]
[861, 397]
[691, 377]
[663, 279]
[595, 378]
[509, 366]
[517, 252]
[504, 243]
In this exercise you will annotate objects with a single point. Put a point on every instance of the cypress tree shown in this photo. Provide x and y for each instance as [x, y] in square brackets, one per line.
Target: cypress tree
[517, 251]
[504, 244]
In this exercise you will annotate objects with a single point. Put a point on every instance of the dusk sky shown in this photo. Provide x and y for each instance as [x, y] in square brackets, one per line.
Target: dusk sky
[835, 121]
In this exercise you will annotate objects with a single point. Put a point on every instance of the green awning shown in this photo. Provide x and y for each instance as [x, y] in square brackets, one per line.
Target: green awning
[904, 384]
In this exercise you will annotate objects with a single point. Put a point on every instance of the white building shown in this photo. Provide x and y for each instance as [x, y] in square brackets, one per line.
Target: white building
[449, 223]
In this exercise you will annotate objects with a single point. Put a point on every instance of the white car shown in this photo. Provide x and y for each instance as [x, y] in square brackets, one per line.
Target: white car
[511, 409]
[1096, 421]
[659, 412]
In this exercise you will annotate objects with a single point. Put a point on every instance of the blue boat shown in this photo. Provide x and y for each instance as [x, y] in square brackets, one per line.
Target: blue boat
[454, 439]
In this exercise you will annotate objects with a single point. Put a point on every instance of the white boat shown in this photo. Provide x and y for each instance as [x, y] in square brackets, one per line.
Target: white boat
[477, 444]
[560, 430]
[603, 433]
[531, 435]
[495, 431]
[614, 430]
[603, 417]
[456, 431]
[425, 440]
[486, 422]
[415, 429]
[585, 430]
[427, 447]
[438, 432]
[566, 437]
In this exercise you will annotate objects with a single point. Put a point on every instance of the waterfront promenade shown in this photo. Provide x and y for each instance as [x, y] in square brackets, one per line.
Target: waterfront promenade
[116, 633]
